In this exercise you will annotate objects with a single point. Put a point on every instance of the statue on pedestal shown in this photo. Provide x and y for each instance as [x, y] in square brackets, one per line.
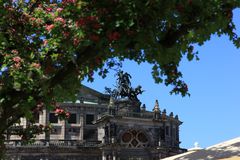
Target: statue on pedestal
[124, 89]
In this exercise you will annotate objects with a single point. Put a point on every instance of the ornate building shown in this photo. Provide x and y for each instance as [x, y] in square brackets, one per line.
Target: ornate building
[102, 128]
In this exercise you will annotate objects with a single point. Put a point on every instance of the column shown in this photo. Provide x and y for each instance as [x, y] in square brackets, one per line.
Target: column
[104, 156]
[114, 157]
[81, 118]
[44, 120]
[63, 130]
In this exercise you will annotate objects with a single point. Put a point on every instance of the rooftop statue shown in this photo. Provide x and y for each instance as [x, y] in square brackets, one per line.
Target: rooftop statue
[123, 88]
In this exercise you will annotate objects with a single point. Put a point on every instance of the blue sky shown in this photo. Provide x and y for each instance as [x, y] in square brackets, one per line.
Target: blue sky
[211, 114]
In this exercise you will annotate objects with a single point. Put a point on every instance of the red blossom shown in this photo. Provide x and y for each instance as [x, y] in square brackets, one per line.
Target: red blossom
[94, 38]
[59, 19]
[81, 22]
[68, 1]
[66, 34]
[17, 65]
[86, 20]
[49, 9]
[91, 18]
[14, 51]
[45, 42]
[67, 115]
[61, 113]
[76, 41]
[96, 26]
[32, 19]
[39, 21]
[36, 65]
[17, 59]
[59, 9]
[49, 27]
[113, 36]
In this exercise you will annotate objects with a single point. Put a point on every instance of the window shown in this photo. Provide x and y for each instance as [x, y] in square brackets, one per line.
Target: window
[90, 134]
[167, 130]
[174, 134]
[89, 119]
[72, 130]
[72, 118]
[53, 118]
[162, 133]
[54, 131]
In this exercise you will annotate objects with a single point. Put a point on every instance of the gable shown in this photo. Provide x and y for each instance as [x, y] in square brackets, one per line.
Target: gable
[89, 95]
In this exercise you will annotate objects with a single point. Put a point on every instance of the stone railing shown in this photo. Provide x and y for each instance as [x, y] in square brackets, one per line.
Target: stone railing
[146, 115]
[49, 143]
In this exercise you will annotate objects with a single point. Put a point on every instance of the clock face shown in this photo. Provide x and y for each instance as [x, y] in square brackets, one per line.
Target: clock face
[134, 138]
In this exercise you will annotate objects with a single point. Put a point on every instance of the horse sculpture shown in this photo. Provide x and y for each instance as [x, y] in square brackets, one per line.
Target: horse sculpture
[124, 88]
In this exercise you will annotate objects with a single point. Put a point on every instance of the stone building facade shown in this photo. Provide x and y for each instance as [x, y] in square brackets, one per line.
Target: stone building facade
[102, 128]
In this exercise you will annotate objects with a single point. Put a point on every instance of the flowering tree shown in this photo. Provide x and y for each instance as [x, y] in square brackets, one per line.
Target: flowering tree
[48, 47]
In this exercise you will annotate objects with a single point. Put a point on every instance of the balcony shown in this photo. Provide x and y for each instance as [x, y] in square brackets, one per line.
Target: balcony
[52, 143]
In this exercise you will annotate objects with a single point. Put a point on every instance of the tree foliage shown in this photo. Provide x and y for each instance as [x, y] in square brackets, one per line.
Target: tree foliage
[48, 47]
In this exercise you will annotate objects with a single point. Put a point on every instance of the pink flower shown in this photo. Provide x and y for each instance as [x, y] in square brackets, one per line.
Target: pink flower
[38, 20]
[45, 42]
[69, 1]
[59, 19]
[49, 9]
[76, 41]
[36, 65]
[57, 110]
[32, 19]
[59, 9]
[17, 59]
[67, 115]
[17, 65]
[14, 51]
[49, 27]
[66, 34]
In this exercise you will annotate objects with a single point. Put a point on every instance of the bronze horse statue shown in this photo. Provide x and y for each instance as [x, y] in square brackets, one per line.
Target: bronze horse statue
[123, 88]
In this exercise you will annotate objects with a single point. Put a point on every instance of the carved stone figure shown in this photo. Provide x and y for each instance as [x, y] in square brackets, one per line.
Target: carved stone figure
[123, 88]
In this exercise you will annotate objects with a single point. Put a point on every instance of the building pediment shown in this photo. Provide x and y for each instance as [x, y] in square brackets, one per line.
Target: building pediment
[89, 95]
